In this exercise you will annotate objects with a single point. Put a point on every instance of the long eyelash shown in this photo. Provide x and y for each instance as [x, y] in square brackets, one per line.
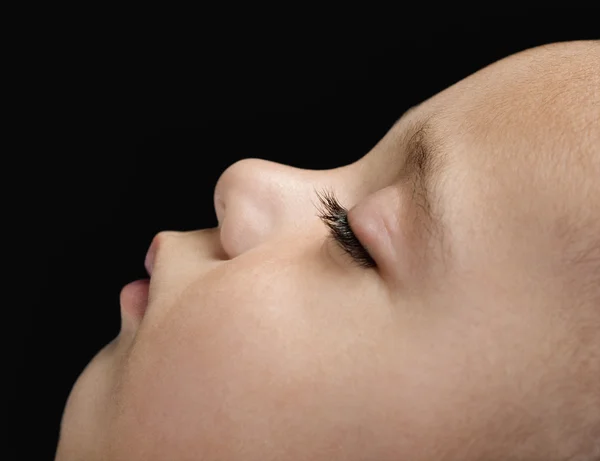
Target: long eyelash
[335, 217]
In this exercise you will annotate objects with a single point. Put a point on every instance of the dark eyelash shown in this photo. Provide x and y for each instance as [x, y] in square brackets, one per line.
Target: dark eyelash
[335, 217]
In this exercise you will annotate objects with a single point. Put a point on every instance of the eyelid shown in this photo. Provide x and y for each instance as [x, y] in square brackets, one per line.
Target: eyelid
[376, 221]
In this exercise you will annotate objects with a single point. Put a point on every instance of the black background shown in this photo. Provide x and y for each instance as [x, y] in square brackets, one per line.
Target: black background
[135, 127]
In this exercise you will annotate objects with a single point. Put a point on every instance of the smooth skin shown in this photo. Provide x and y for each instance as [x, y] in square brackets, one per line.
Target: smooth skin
[262, 341]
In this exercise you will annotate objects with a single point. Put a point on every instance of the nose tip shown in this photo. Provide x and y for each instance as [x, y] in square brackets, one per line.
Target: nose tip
[248, 179]
[150, 255]
[219, 205]
[155, 246]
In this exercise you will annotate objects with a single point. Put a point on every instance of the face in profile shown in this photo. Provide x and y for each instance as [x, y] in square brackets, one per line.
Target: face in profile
[437, 299]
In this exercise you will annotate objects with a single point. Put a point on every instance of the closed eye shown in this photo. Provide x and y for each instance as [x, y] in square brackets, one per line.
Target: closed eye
[335, 217]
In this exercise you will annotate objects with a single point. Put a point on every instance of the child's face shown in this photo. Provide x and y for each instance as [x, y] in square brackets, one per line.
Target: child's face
[470, 340]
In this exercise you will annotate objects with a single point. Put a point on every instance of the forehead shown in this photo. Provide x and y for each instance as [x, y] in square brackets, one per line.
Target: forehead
[519, 139]
[530, 117]
[543, 100]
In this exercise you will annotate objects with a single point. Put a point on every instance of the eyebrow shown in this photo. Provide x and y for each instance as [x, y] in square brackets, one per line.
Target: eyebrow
[425, 164]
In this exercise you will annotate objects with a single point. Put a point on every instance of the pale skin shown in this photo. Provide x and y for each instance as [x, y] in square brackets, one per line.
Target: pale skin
[262, 342]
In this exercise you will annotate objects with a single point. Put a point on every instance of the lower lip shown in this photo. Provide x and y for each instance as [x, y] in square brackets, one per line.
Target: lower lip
[134, 298]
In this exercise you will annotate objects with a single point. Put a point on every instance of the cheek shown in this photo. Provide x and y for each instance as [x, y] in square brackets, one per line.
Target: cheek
[262, 357]
[222, 361]
[87, 412]
[254, 359]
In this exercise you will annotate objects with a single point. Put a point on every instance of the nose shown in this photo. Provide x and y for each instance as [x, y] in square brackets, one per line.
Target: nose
[174, 258]
[255, 199]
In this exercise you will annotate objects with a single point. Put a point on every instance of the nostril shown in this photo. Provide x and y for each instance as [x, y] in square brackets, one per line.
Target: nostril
[219, 208]
[236, 175]
[150, 254]
[155, 246]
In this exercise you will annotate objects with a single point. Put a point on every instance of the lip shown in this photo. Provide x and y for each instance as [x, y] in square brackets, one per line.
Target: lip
[134, 299]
